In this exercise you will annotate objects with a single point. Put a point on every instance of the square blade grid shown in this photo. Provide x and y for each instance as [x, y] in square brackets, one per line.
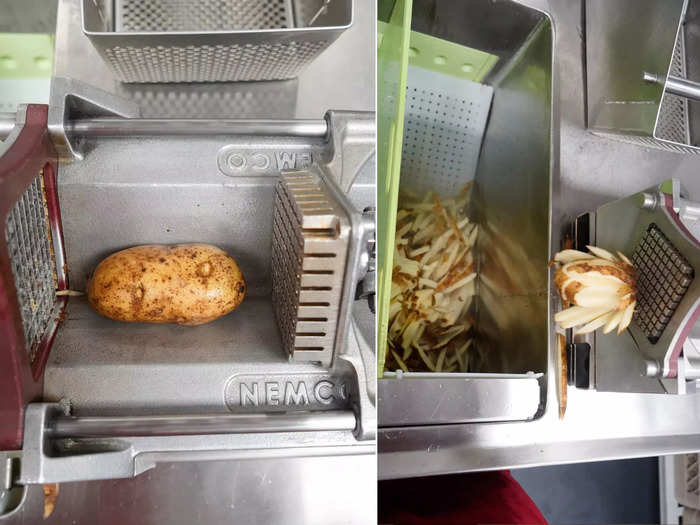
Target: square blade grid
[29, 244]
[664, 276]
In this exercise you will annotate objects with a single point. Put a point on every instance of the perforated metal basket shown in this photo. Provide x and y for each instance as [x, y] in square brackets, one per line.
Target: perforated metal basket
[212, 40]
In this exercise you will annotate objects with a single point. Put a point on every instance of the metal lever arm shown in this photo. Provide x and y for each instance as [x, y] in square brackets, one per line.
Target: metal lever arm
[676, 85]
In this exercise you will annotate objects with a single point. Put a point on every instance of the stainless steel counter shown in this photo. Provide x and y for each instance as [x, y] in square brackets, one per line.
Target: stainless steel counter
[592, 171]
[297, 491]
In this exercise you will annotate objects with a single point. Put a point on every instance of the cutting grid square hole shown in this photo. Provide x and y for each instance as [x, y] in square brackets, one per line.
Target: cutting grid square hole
[663, 278]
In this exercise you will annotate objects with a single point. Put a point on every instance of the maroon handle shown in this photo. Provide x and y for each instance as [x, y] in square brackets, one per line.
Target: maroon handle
[20, 380]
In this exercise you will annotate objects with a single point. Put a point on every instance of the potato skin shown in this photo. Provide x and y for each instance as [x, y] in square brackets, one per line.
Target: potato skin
[187, 284]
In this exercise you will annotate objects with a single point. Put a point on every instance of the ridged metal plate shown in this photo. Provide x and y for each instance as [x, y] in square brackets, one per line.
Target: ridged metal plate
[309, 251]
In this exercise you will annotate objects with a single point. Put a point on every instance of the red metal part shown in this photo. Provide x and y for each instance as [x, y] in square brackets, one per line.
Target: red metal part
[20, 380]
[695, 315]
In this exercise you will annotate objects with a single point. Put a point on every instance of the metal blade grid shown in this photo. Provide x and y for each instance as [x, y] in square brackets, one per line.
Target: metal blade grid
[33, 267]
[664, 276]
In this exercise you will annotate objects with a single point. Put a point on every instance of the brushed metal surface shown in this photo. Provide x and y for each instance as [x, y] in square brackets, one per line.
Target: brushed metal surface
[511, 204]
[287, 491]
[619, 52]
[459, 398]
[105, 367]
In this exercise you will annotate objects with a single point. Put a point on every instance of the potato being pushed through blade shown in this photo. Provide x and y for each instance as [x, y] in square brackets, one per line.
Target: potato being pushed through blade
[599, 287]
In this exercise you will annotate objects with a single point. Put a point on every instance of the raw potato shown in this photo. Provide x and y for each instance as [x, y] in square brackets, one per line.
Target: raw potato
[187, 284]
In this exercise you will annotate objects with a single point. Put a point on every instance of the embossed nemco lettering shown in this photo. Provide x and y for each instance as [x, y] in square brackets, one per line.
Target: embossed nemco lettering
[288, 391]
[233, 161]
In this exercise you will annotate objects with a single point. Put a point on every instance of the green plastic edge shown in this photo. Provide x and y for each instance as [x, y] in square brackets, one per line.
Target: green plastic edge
[26, 55]
[393, 49]
[443, 56]
[667, 187]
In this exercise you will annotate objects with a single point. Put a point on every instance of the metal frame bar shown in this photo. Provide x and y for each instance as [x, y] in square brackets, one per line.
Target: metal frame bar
[118, 127]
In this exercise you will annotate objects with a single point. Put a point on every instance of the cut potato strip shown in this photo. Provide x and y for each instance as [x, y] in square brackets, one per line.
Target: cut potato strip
[440, 360]
[568, 256]
[626, 317]
[614, 321]
[399, 361]
[584, 315]
[600, 252]
[595, 324]
[428, 362]
[432, 284]
[624, 258]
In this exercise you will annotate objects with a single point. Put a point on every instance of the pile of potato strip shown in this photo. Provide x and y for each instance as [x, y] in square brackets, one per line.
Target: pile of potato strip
[432, 285]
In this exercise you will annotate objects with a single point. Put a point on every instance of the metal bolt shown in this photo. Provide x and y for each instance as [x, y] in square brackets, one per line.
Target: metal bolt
[648, 201]
[652, 368]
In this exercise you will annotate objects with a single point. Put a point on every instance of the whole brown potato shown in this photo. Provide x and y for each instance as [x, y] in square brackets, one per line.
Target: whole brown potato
[187, 284]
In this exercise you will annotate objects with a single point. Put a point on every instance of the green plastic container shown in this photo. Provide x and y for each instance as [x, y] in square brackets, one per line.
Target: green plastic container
[399, 48]
[448, 58]
[26, 65]
[392, 63]
[26, 55]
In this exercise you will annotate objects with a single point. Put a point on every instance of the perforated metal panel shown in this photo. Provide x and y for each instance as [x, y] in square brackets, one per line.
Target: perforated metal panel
[212, 63]
[33, 268]
[444, 125]
[664, 276]
[673, 123]
[242, 100]
[309, 251]
[202, 15]
[152, 41]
